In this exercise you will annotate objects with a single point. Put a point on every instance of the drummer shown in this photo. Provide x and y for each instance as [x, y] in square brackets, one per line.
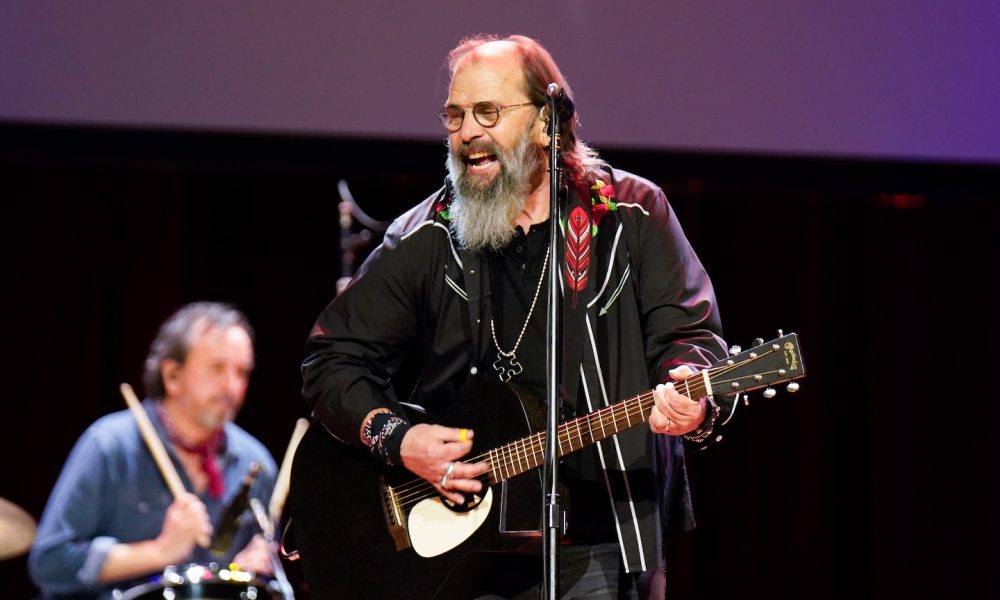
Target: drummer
[111, 520]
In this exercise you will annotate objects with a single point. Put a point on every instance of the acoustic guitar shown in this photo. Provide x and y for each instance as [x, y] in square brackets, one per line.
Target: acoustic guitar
[368, 531]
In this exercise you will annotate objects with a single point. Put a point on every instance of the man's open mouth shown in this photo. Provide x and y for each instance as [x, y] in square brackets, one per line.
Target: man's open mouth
[480, 159]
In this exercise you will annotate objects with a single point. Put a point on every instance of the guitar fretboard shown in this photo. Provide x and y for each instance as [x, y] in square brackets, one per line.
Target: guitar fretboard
[529, 452]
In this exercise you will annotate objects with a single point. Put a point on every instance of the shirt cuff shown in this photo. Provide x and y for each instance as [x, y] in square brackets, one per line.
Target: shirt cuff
[96, 555]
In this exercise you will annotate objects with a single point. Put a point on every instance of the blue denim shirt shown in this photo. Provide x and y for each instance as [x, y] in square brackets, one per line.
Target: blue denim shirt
[110, 490]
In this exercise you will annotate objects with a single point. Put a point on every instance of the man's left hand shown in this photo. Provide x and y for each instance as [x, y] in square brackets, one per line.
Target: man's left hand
[255, 557]
[674, 413]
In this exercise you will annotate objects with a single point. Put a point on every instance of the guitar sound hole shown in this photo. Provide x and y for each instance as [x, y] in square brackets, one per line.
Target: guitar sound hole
[471, 502]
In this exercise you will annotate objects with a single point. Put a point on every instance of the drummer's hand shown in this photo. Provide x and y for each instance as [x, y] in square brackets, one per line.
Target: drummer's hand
[428, 450]
[186, 522]
[255, 557]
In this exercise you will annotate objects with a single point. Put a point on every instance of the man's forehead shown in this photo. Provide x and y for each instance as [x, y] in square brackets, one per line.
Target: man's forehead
[210, 335]
[490, 71]
[494, 49]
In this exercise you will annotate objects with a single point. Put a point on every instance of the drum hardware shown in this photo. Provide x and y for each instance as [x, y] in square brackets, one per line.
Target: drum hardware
[199, 582]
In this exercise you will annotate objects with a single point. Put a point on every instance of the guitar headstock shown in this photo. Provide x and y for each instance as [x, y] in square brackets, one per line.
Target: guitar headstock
[762, 366]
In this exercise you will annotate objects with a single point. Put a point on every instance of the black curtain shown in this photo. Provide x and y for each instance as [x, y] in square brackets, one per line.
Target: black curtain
[876, 479]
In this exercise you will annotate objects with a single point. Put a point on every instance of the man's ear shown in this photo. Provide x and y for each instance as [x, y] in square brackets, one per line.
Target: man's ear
[543, 127]
[170, 371]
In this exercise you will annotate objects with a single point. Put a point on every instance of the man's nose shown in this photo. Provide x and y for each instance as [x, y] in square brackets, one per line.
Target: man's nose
[470, 129]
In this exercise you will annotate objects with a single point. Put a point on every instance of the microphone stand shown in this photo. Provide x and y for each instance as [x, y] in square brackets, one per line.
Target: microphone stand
[552, 512]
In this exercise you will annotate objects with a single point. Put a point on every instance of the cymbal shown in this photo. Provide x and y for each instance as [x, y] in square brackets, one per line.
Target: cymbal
[17, 530]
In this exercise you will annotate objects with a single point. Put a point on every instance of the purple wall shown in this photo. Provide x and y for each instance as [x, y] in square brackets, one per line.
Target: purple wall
[875, 78]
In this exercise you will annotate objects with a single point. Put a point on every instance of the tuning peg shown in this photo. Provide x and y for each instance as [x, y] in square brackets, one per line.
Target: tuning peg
[758, 341]
[734, 350]
[781, 332]
[793, 387]
[770, 393]
[746, 399]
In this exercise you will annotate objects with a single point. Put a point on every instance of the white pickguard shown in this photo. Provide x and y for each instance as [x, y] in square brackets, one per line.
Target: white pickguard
[435, 529]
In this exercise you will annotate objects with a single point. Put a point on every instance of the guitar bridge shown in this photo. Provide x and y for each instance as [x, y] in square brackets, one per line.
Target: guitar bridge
[395, 520]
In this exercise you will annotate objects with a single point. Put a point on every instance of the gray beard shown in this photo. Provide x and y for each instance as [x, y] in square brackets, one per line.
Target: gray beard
[482, 215]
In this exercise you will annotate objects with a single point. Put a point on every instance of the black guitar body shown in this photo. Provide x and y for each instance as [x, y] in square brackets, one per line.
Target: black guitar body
[340, 526]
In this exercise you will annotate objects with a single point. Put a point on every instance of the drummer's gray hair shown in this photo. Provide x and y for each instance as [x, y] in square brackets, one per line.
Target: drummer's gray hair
[177, 332]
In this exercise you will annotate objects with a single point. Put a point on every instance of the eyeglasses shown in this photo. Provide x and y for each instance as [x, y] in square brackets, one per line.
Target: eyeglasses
[486, 114]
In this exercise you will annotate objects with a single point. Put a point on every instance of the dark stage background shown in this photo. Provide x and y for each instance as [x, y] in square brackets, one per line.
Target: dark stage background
[875, 480]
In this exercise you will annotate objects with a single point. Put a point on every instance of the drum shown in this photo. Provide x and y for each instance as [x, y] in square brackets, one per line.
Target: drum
[197, 582]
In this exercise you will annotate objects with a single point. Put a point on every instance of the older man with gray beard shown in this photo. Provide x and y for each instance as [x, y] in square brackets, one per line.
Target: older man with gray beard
[456, 288]
[482, 211]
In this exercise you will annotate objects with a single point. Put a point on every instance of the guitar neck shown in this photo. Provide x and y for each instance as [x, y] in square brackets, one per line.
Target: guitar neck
[528, 453]
[776, 361]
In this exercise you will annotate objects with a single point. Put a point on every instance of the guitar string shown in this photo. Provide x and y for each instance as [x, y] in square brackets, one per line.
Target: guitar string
[535, 442]
[420, 489]
[531, 453]
[532, 447]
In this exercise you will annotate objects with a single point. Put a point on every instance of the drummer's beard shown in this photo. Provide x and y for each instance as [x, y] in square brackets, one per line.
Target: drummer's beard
[482, 213]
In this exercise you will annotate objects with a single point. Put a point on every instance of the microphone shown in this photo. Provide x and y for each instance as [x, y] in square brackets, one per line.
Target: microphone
[564, 105]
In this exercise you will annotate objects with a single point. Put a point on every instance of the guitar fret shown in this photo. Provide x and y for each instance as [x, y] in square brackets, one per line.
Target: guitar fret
[493, 467]
[506, 462]
[522, 457]
[515, 457]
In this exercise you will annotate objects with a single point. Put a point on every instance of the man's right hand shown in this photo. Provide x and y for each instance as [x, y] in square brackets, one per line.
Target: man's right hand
[185, 525]
[427, 450]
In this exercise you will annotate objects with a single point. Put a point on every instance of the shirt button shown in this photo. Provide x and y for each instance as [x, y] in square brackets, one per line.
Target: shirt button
[473, 371]
[519, 249]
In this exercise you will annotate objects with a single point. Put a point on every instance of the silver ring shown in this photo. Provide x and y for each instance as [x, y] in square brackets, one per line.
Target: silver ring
[448, 470]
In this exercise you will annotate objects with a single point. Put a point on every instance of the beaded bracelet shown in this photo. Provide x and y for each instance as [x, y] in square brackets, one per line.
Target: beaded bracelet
[705, 429]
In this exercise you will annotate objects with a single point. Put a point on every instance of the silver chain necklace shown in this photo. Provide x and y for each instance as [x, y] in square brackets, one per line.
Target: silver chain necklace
[506, 364]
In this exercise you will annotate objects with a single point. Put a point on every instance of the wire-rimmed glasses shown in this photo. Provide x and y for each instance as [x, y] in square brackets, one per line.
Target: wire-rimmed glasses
[486, 114]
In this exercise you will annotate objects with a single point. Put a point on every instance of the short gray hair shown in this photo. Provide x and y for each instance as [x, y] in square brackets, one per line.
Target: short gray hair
[176, 334]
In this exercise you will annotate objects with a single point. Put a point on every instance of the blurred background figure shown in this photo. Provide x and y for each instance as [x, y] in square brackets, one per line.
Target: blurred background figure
[111, 519]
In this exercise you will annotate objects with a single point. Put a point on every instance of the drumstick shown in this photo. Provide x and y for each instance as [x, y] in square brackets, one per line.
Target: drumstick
[285, 471]
[156, 448]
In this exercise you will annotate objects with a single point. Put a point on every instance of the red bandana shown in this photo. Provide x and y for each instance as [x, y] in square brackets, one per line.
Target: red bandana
[207, 451]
